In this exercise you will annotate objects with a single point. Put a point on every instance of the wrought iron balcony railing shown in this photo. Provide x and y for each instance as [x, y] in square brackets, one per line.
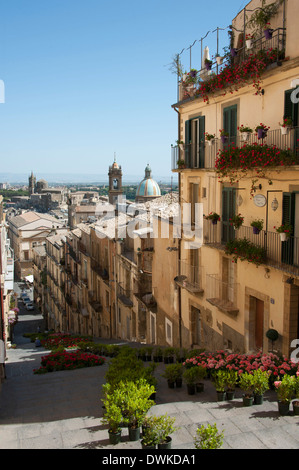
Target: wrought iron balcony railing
[222, 294]
[203, 155]
[190, 277]
[282, 255]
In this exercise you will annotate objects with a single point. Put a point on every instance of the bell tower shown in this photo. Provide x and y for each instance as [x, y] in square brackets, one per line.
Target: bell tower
[32, 183]
[115, 182]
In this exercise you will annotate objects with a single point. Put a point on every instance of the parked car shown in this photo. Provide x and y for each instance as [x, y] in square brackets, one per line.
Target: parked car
[29, 306]
[26, 300]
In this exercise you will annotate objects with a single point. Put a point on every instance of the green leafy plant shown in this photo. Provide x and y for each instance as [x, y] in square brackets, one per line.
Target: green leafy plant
[246, 384]
[237, 221]
[257, 223]
[173, 372]
[219, 378]
[260, 381]
[245, 250]
[164, 427]
[190, 376]
[212, 216]
[245, 129]
[285, 388]
[208, 437]
[285, 228]
[209, 136]
[262, 16]
[231, 379]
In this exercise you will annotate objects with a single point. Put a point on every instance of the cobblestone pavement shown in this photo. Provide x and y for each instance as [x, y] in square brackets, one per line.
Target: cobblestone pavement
[62, 410]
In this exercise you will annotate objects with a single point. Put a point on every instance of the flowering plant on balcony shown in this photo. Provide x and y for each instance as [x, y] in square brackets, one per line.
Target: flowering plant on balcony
[287, 122]
[284, 228]
[190, 78]
[245, 129]
[235, 162]
[209, 137]
[223, 133]
[263, 127]
[237, 221]
[245, 250]
[233, 76]
[213, 216]
[258, 224]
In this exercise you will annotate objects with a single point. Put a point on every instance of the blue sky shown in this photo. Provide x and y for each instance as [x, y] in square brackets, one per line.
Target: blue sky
[85, 79]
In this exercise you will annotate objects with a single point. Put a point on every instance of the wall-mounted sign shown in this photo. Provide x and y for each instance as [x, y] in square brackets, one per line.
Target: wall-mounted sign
[259, 200]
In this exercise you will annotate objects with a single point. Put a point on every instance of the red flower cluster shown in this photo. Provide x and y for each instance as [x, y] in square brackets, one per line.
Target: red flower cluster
[236, 75]
[277, 366]
[68, 361]
[235, 160]
[55, 340]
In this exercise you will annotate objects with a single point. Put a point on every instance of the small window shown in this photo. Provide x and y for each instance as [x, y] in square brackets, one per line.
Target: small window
[168, 331]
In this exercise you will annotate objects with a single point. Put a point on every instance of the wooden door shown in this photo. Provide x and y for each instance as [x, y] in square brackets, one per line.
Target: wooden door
[259, 323]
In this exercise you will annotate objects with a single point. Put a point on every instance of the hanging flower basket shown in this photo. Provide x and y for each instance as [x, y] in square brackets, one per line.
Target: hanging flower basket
[257, 226]
[233, 52]
[285, 126]
[261, 130]
[284, 231]
[213, 216]
[208, 64]
[249, 43]
[268, 32]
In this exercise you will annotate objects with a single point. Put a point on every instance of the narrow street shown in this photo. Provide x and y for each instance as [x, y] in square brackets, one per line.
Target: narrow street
[62, 410]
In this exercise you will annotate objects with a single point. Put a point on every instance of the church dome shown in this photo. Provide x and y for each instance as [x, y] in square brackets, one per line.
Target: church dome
[148, 188]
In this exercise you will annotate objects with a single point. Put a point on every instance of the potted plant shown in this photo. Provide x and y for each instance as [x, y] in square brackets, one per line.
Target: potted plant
[213, 216]
[286, 125]
[173, 374]
[137, 403]
[245, 132]
[180, 143]
[208, 64]
[209, 138]
[219, 59]
[190, 377]
[164, 427]
[223, 135]
[181, 164]
[208, 437]
[158, 355]
[248, 40]
[285, 231]
[261, 130]
[168, 354]
[260, 385]
[296, 391]
[201, 374]
[113, 417]
[233, 51]
[231, 379]
[237, 221]
[268, 31]
[284, 389]
[246, 384]
[219, 379]
[149, 434]
[257, 226]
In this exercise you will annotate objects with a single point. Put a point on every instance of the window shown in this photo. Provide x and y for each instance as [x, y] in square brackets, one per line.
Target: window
[168, 331]
[228, 211]
[230, 122]
[194, 142]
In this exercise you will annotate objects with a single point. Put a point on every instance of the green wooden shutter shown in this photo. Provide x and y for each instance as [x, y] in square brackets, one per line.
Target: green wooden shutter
[290, 108]
[187, 143]
[201, 121]
[230, 122]
[228, 211]
[288, 217]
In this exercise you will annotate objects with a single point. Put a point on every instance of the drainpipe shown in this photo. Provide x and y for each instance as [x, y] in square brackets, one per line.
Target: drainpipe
[179, 244]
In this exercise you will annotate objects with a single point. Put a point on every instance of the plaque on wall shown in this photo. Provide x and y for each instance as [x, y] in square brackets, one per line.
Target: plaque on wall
[259, 200]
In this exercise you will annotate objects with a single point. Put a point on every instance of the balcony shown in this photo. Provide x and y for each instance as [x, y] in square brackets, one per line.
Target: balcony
[204, 155]
[222, 294]
[190, 278]
[99, 270]
[205, 79]
[282, 255]
[124, 295]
